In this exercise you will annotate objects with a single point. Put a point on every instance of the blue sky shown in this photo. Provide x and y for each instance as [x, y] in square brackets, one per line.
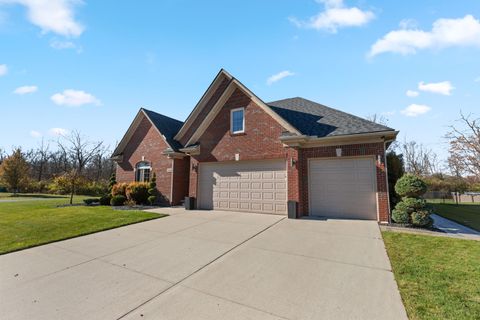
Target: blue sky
[89, 65]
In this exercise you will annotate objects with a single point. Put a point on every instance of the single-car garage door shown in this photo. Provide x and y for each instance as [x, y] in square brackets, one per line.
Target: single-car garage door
[343, 188]
[251, 186]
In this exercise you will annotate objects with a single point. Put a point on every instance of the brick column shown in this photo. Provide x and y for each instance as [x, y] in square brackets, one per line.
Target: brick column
[192, 190]
[293, 164]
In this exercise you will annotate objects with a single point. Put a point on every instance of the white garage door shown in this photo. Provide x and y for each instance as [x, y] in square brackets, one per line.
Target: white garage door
[343, 188]
[252, 186]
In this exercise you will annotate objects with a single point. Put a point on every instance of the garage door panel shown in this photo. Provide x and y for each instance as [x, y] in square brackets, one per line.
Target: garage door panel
[343, 188]
[257, 186]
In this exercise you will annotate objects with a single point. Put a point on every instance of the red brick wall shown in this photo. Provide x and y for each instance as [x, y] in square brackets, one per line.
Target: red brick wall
[206, 109]
[181, 172]
[258, 142]
[372, 149]
[147, 142]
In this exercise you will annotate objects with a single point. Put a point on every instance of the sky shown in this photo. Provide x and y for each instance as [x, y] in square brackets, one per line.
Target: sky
[90, 65]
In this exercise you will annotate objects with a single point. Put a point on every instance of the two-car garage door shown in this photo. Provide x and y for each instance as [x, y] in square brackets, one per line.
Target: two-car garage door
[251, 186]
[338, 188]
[343, 188]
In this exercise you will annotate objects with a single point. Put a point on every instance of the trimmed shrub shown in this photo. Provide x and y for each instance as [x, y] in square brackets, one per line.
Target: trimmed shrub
[105, 199]
[152, 191]
[3, 189]
[118, 200]
[137, 192]
[152, 199]
[401, 216]
[410, 186]
[412, 209]
[421, 218]
[112, 182]
[414, 204]
[119, 189]
[90, 201]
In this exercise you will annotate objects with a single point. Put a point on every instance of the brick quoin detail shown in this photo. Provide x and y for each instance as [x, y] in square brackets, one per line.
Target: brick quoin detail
[352, 150]
[147, 142]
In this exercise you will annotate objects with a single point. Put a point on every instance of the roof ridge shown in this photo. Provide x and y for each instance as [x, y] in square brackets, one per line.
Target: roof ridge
[333, 109]
[160, 114]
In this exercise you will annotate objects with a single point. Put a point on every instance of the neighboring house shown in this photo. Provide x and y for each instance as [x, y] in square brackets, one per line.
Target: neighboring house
[236, 152]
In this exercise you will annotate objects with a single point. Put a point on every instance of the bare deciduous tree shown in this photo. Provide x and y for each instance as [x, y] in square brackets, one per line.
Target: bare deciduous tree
[377, 118]
[80, 152]
[465, 146]
[419, 159]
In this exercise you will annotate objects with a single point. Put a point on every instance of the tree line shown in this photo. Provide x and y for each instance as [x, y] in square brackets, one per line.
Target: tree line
[460, 172]
[72, 164]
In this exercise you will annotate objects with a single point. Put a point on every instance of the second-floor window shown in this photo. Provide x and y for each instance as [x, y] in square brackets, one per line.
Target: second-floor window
[237, 120]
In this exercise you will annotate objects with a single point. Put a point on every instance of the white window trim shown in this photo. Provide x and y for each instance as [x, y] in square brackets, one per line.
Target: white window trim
[231, 120]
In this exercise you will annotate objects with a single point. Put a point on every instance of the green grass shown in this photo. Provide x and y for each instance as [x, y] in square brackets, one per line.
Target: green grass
[466, 214]
[25, 223]
[438, 277]
[21, 196]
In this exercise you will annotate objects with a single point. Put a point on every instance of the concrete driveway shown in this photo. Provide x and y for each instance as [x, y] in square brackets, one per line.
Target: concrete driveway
[206, 265]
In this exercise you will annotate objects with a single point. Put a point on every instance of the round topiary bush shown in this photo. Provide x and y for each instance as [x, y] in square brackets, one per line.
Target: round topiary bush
[421, 218]
[137, 192]
[105, 199]
[410, 186]
[118, 200]
[401, 216]
[413, 204]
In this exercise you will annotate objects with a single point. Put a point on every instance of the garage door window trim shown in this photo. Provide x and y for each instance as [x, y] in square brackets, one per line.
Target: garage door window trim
[237, 120]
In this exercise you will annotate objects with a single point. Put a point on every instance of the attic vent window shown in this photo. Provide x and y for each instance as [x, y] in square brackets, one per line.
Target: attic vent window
[142, 171]
[237, 120]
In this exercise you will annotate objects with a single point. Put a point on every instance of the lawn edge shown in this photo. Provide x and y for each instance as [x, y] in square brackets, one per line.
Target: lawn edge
[160, 215]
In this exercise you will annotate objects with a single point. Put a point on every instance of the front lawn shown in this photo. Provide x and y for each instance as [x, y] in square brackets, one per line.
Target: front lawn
[466, 214]
[27, 223]
[438, 277]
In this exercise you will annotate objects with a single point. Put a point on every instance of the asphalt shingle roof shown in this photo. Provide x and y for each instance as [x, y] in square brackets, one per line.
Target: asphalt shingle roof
[167, 126]
[314, 119]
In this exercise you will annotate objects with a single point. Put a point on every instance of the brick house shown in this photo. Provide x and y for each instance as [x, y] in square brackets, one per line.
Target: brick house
[236, 152]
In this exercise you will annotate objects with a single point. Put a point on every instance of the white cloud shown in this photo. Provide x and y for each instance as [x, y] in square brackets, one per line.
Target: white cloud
[444, 87]
[445, 33]
[412, 93]
[74, 98]
[59, 44]
[279, 76]
[3, 69]
[415, 110]
[335, 16]
[25, 89]
[58, 132]
[55, 16]
[35, 134]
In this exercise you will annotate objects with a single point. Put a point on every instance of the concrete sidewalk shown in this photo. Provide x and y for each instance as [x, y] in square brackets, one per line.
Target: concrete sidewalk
[454, 229]
[207, 265]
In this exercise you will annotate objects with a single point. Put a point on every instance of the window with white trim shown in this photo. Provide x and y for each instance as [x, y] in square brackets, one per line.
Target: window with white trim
[237, 120]
[142, 171]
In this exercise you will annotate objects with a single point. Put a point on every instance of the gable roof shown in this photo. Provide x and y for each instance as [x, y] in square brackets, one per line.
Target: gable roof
[314, 119]
[167, 128]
